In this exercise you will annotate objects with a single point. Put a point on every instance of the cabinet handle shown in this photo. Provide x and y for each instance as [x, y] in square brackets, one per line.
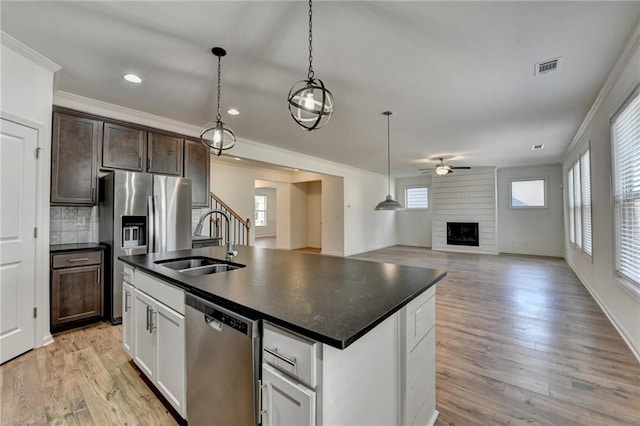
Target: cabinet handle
[93, 195]
[80, 259]
[148, 320]
[261, 410]
[124, 274]
[148, 164]
[126, 301]
[139, 162]
[274, 352]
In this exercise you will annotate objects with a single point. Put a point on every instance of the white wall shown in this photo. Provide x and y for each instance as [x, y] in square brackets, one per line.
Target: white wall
[465, 196]
[413, 226]
[537, 231]
[298, 218]
[314, 214]
[599, 275]
[26, 96]
[269, 230]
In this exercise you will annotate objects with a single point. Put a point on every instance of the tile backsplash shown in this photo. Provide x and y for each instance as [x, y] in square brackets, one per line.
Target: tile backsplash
[73, 225]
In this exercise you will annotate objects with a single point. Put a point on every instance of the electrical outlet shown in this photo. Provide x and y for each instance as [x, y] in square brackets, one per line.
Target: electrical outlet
[80, 221]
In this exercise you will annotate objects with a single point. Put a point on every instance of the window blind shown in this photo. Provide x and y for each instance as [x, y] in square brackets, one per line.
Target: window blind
[577, 196]
[572, 207]
[626, 152]
[417, 197]
[585, 167]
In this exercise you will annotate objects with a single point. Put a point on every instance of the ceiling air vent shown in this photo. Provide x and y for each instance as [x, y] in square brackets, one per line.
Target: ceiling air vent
[546, 66]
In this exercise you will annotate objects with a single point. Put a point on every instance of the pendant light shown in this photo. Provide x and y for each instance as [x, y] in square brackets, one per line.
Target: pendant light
[310, 102]
[218, 136]
[389, 203]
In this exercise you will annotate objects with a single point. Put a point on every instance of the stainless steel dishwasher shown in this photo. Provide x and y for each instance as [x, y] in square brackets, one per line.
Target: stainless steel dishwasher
[223, 359]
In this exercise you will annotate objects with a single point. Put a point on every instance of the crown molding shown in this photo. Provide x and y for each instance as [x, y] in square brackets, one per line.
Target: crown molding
[117, 112]
[629, 49]
[28, 52]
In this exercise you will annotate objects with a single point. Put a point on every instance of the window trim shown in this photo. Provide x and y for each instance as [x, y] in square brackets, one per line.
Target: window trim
[425, 186]
[255, 212]
[628, 285]
[546, 201]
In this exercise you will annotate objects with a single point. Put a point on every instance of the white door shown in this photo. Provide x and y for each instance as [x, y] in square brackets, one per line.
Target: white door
[285, 401]
[171, 356]
[18, 173]
[144, 344]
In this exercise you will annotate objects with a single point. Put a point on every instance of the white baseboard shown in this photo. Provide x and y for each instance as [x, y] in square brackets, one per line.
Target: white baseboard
[331, 253]
[47, 339]
[534, 253]
[434, 417]
[621, 331]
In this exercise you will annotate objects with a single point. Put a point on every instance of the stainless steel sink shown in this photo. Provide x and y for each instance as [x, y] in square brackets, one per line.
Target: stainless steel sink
[199, 265]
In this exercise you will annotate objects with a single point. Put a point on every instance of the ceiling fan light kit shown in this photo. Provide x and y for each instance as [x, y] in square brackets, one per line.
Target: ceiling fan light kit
[310, 102]
[388, 203]
[217, 136]
[442, 169]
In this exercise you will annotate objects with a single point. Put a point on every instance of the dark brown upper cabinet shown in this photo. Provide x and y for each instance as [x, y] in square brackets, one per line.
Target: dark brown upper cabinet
[74, 159]
[164, 154]
[124, 148]
[196, 168]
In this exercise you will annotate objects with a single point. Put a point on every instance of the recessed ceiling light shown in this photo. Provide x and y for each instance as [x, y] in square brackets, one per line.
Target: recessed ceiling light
[132, 78]
[233, 111]
[537, 147]
[236, 158]
[296, 170]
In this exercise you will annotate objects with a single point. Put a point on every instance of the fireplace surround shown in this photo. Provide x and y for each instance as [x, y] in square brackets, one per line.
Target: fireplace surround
[463, 234]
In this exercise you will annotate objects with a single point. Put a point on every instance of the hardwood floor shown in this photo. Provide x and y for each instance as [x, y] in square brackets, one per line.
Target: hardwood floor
[519, 341]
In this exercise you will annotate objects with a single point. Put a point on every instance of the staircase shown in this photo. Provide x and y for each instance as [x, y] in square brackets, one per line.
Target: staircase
[240, 227]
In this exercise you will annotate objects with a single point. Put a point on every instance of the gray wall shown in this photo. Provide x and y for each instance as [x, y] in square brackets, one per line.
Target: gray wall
[413, 227]
[270, 229]
[538, 231]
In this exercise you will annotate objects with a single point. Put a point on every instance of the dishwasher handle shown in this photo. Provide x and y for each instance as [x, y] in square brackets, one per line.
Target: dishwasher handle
[213, 323]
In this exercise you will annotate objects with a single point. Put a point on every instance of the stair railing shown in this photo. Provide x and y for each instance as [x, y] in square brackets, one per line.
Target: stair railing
[239, 227]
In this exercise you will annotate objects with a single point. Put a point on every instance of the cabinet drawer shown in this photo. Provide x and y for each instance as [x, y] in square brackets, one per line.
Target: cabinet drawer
[170, 295]
[300, 353]
[83, 258]
[421, 316]
[127, 273]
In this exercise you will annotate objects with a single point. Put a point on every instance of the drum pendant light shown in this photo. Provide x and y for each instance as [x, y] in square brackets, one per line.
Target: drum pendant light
[310, 102]
[389, 203]
[217, 136]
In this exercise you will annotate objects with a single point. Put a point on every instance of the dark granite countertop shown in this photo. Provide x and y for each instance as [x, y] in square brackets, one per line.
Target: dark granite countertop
[58, 248]
[333, 300]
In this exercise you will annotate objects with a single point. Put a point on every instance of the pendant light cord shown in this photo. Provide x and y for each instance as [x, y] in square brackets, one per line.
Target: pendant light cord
[310, 73]
[218, 117]
[388, 157]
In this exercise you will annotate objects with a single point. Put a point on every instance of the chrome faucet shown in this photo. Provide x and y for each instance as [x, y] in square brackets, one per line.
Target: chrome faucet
[230, 249]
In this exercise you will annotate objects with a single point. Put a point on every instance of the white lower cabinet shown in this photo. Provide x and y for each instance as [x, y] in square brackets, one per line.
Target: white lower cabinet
[285, 401]
[158, 337]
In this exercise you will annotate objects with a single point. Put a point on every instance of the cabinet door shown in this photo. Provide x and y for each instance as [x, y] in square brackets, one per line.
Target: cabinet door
[164, 154]
[74, 154]
[128, 318]
[286, 401]
[76, 294]
[196, 168]
[144, 344]
[171, 357]
[123, 148]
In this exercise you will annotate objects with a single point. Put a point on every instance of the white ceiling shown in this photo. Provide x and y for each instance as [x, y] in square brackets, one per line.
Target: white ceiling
[458, 76]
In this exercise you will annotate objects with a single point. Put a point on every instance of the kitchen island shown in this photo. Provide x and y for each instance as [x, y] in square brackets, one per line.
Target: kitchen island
[370, 325]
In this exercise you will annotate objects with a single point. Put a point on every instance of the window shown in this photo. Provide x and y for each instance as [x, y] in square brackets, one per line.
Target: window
[416, 197]
[625, 135]
[261, 210]
[579, 194]
[528, 193]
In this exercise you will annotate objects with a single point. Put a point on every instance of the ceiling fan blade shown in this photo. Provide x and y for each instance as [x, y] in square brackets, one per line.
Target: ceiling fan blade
[450, 171]
[460, 167]
[425, 172]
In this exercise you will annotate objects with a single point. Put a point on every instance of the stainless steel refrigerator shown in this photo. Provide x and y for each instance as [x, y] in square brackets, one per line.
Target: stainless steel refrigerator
[140, 213]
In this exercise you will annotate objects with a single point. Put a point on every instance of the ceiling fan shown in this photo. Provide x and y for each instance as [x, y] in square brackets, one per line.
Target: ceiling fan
[443, 169]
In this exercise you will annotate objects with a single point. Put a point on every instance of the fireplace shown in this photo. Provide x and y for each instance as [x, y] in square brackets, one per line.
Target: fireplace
[463, 234]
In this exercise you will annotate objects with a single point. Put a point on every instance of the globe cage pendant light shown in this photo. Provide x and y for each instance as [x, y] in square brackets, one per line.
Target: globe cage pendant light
[389, 203]
[310, 102]
[217, 136]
